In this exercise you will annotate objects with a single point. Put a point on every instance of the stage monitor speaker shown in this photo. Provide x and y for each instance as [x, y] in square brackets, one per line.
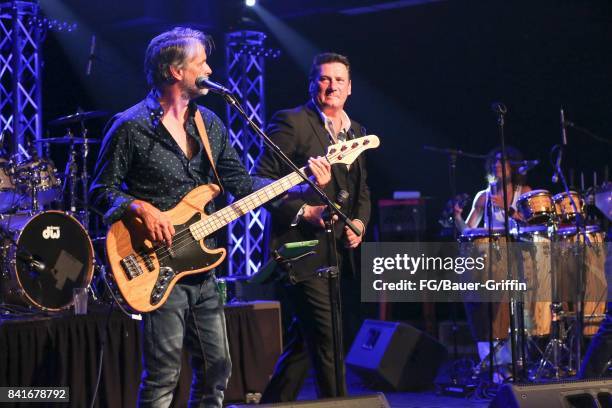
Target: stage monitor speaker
[362, 401]
[395, 356]
[566, 394]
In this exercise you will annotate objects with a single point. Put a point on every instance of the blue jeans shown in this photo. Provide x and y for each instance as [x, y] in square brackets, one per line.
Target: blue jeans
[193, 315]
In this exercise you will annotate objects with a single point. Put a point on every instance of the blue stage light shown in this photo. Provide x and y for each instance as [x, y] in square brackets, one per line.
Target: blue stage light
[250, 3]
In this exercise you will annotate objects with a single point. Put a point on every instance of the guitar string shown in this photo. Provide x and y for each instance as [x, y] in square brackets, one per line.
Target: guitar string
[189, 237]
[214, 222]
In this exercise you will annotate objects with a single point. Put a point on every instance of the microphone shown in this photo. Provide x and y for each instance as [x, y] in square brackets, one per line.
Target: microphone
[92, 55]
[563, 128]
[499, 107]
[341, 199]
[205, 83]
[28, 258]
[527, 165]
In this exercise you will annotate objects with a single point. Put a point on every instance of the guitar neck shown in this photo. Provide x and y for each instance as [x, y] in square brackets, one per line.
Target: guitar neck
[237, 209]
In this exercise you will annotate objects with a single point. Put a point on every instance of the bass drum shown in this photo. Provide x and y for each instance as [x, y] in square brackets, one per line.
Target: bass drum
[53, 255]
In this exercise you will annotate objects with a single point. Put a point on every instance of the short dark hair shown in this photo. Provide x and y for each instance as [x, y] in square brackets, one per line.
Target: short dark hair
[326, 58]
[171, 48]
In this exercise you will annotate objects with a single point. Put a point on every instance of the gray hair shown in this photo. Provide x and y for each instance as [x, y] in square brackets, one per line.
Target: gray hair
[172, 49]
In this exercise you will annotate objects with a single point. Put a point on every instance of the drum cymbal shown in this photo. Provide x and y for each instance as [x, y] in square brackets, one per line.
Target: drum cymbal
[77, 117]
[68, 140]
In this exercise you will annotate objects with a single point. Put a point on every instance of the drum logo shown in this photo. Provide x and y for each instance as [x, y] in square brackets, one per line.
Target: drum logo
[51, 232]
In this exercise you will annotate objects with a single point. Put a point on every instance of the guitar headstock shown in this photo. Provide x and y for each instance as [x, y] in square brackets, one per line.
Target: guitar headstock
[346, 152]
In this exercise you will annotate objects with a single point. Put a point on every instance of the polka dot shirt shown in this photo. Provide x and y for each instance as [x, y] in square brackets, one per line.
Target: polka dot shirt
[139, 159]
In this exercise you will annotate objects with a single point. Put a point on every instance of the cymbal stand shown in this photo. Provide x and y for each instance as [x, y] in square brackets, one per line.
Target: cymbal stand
[34, 183]
[84, 178]
[70, 173]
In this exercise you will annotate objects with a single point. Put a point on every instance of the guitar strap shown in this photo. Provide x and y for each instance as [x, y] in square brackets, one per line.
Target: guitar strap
[204, 136]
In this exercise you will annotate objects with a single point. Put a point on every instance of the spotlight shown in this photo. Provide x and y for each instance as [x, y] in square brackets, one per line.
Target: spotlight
[250, 3]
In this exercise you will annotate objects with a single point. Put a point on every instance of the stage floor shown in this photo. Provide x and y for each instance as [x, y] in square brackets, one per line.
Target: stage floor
[424, 399]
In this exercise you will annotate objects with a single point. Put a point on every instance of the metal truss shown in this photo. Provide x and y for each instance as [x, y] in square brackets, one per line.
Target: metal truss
[245, 57]
[20, 74]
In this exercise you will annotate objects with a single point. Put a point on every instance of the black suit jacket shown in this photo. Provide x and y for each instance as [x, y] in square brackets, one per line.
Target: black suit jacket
[300, 134]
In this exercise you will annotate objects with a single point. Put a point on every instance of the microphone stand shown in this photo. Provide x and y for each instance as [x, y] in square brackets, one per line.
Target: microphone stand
[579, 253]
[332, 272]
[452, 155]
[516, 308]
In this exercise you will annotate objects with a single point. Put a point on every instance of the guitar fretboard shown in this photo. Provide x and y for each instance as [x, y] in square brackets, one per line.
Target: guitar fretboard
[237, 209]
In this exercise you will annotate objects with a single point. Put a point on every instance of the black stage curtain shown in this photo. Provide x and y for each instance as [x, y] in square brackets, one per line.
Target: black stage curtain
[63, 351]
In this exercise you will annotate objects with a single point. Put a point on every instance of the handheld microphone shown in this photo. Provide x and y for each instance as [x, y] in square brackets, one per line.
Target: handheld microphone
[92, 55]
[527, 165]
[205, 83]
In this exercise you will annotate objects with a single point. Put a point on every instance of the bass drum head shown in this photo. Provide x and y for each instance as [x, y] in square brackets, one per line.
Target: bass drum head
[61, 243]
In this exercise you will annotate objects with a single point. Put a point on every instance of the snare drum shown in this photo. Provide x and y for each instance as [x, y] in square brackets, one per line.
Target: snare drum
[564, 208]
[53, 255]
[536, 206]
[477, 312]
[8, 196]
[39, 174]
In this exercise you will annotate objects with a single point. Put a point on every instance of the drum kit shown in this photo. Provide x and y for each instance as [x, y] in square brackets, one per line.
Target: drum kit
[46, 251]
[562, 262]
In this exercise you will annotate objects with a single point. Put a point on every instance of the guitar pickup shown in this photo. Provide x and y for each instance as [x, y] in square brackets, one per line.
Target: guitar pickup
[171, 252]
[131, 267]
[148, 261]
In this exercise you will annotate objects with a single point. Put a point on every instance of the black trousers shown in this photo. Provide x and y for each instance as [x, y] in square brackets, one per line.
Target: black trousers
[309, 342]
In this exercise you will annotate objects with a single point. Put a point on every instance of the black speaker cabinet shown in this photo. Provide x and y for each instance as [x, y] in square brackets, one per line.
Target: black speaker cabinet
[362, 401]
[566, 394]
[401, 220]
[395, 356]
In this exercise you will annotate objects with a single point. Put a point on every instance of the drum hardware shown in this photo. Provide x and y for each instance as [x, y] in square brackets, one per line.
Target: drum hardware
[564, 207]
[49, 255]
[36, 182]
[68, 139]
[78, 117]
[556, 349]
[536, 207]
[72, 176]
[8, 193]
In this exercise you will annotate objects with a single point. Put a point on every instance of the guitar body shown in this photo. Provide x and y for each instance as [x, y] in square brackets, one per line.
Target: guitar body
[145, 275]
